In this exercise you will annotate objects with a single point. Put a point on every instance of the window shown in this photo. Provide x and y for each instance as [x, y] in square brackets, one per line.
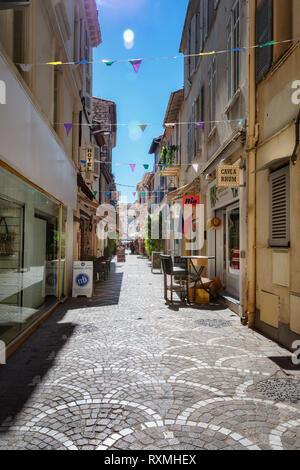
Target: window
[191, 136]
[280, 207]
[212, 90]
[233, 58]
[264, 34]
[199, 118]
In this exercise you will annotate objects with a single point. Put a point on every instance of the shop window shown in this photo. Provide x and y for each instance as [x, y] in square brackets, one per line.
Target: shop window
[280, 208]
[32, 254]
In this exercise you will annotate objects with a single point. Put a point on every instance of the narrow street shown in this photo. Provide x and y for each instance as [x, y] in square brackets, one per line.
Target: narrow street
[126, 371]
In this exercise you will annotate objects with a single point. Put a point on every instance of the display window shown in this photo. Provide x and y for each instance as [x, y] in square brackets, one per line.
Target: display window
[32, 254]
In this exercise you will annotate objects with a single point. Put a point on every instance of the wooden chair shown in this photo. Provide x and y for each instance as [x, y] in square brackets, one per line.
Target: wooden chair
[173, 271]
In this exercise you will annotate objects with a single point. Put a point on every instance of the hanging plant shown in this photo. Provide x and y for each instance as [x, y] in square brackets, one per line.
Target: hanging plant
[168, 156]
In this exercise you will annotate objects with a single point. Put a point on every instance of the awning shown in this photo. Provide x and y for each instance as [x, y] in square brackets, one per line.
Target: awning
[84, 187]
[193, 186]
[273, 164]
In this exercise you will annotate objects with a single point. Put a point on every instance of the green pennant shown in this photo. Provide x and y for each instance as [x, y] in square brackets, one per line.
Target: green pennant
[109, 63]
[146, 167]
[267, 44]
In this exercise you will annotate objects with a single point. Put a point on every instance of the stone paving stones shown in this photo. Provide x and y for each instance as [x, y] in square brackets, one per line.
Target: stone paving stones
[126, 371]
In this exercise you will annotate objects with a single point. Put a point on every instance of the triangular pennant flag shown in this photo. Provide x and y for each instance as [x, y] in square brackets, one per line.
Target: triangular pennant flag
[200, 125]
[109, 63]
[107, 193]
[146, 167]
[195, 166]
[136, 64]
[68, 128]
[95, 193]
[118, 164]
[26, 67]
[143, 193]
[143, 127]
[81, 62]
[134, 194]
[132, 166]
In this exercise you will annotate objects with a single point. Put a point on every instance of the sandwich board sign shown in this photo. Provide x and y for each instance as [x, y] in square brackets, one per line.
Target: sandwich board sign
[228, 176]
[83, 278]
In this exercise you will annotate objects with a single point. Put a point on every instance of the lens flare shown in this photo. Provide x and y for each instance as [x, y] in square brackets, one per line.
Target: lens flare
[128, 37]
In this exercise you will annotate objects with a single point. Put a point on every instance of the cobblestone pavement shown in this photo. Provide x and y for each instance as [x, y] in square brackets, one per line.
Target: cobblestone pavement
[126, 371]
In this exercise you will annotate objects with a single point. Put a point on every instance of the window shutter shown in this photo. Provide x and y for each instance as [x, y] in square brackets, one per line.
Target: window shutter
[211, 13]
[264, 34]
[205, 19]
[193, 44]
[280, 207]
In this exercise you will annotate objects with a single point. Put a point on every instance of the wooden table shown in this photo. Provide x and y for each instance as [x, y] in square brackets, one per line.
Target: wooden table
[197, 272]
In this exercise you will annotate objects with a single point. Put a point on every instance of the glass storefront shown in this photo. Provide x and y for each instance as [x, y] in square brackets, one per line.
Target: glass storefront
[32, 254]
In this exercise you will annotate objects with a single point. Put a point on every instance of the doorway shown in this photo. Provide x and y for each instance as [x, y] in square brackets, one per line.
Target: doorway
[228, 250]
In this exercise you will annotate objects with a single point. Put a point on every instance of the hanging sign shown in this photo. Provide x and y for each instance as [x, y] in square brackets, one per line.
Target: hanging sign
[83, 278]
[89, 159]
[191, 200]
[228, 176]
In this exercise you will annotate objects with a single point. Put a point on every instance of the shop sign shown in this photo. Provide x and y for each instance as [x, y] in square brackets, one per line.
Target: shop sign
[83, 278]
[89, 159]
[228, 176]
[191, 200]
[220, 197]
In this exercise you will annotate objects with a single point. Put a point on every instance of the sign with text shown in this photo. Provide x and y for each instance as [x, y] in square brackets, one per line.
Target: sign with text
[83, 278]
[191, 200]
[89, 159]
[228, 176]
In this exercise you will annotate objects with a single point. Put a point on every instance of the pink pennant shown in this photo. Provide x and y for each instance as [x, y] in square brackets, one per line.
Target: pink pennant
[136, 64]
[68, 128]
[132, 166]
[134, 194]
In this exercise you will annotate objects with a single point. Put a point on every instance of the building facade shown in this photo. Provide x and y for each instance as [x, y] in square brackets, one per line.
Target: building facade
[41, 118]
[213, 120]
[274, 171]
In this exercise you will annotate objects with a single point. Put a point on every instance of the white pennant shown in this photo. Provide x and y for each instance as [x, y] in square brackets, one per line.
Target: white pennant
[26, 67]
[196, 166]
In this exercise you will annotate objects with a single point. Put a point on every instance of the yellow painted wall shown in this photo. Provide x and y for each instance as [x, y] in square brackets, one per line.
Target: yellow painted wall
[278, 271]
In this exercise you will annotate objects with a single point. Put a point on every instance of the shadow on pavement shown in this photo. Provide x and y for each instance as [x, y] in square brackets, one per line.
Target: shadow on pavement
[27, 367]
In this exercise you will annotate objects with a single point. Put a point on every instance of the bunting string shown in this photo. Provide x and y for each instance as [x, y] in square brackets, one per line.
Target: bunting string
[199, 124]
[136, 63]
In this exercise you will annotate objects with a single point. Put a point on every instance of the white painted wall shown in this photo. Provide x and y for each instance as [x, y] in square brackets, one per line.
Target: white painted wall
[28, 144]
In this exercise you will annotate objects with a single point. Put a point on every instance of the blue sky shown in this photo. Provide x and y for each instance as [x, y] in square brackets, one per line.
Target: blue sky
[143, 97]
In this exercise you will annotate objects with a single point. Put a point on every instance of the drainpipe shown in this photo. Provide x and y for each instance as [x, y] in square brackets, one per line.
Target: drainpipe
[252, 144]
[297, 125]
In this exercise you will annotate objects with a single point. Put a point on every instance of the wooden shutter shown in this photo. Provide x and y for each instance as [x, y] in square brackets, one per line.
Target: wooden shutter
[193, 44]
[264, 34]
[280, 207]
